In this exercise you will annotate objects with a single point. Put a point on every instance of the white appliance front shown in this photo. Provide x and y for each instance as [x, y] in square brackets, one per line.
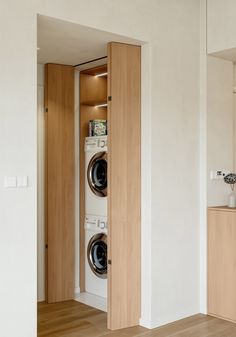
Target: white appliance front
[96, 175]
[96, 251]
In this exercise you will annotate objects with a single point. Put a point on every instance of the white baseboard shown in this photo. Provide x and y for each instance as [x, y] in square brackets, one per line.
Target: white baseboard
[158, 323]
[77, 291]
[145, 323]
[91, 300]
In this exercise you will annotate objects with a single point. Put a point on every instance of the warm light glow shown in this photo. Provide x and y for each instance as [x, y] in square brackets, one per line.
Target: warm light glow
[101, 74]
[101, 105]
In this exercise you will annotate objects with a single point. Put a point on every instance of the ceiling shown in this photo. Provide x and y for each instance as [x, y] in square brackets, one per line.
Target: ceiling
[69, 43]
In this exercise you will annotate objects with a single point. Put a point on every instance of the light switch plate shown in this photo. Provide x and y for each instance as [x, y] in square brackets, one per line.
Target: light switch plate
[22, 181]
[10, 181]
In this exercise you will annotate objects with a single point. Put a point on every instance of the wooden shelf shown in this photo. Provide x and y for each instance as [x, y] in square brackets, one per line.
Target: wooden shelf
[95, 103]
[95, 71]
[222, 208]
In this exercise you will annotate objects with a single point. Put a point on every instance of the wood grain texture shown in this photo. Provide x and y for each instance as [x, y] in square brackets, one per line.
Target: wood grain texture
[95, 70]
[46, 176]
[73, 319]
[124, 180]
[60, 182]
[91, 89]
[222, 263]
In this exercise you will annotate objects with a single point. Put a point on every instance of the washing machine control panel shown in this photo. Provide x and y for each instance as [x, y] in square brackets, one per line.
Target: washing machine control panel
[95, 223]
[102, 143]
[95, 144]
[102, 224]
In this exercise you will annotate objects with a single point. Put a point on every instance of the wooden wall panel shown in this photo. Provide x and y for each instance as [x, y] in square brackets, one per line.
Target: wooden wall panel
[60, 182]
[124, 179]
[92, 89]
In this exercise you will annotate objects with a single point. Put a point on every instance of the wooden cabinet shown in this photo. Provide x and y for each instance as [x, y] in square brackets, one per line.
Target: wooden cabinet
[123, 87]
[124, 180]
[59, 176]
[222, 262]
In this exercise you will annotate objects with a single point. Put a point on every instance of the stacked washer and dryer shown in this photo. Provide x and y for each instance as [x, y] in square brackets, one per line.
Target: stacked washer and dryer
[96, 216]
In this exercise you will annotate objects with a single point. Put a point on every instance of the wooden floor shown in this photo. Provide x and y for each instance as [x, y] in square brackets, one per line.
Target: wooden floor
[73, 319]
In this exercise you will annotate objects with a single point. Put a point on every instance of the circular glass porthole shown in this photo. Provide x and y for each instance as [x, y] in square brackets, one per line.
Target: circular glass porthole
[97, 254]
[97, 174]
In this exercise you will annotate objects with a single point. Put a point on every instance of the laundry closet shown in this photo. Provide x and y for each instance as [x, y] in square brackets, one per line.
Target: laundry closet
[93, 185]
[108, 133]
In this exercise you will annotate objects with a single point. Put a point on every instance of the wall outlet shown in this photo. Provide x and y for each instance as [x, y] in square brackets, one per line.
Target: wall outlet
[15, 181]
[218, 174]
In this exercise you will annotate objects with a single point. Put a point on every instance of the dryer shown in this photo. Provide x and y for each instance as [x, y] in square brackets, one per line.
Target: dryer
[96, 255]
[96, 175]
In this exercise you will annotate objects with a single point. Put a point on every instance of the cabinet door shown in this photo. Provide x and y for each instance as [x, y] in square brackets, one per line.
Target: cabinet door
[222, 263]
[124, 77]
[59, 100]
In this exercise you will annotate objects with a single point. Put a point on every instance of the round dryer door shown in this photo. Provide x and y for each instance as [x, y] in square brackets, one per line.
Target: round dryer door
[97, 254]
[97, 174]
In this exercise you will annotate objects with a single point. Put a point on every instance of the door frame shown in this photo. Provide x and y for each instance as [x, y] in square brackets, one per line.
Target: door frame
[146, 209]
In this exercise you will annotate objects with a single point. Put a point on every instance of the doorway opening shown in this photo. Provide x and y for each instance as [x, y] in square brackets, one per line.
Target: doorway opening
[63, 44]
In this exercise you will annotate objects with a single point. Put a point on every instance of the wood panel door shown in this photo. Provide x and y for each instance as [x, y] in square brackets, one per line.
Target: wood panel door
[222, 262]
[124, 179]
[59, 102]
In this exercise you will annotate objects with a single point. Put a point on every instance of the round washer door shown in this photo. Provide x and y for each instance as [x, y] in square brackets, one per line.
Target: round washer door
[97, 254]
[97, 174]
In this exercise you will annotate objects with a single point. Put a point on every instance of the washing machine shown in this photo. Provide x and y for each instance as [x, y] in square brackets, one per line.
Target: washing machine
[96, 175]
[96, 255]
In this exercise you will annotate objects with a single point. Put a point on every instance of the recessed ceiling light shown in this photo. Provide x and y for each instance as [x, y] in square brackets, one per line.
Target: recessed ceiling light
[101, 74]
[100, 105]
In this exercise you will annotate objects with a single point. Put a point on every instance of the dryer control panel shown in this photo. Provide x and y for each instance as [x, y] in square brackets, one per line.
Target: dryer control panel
[95, 144]
[95, 223]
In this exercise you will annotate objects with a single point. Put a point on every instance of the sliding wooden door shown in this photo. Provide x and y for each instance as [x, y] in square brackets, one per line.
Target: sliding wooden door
[124, 179]
[59, 117]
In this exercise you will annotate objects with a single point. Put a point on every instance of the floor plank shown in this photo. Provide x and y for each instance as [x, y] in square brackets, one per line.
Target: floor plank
[73, 319]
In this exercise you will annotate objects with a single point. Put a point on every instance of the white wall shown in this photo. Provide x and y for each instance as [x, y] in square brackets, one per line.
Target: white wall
[172, 29]
[220, 127]
[234, 99]
[175, 158]
[221, 25]
[18, 145]
[203, 158]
